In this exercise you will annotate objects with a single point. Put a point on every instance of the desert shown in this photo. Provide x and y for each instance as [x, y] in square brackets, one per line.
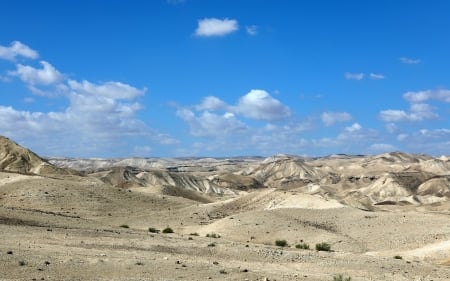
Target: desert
[383, 217]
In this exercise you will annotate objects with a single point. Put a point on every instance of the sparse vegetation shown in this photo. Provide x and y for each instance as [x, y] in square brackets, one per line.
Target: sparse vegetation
[124, 226]
[303, 246]
[323, 247]
[281, 243]
[340, 277]
[194, 234]
[211, 244]
[153, 230]
[213, 235]
[22, 263]
[167, 230]
[139, 263]
[397, 257]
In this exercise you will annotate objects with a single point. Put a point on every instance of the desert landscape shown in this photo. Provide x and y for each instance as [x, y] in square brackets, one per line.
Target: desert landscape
[340, 217]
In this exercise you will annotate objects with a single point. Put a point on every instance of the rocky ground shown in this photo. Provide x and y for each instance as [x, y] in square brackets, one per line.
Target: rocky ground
[384, 217]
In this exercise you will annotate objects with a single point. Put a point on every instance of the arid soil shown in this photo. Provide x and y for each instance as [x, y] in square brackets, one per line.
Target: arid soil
[385, 217]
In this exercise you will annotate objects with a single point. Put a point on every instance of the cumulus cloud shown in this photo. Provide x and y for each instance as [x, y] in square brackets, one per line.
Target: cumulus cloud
[111, 89]
[211, 103]
[376, 76]
[435, 141]
[406, 60]
[354, 76]
[352, 139]
[216, 27]
[353, 128]
[330, 118]
[251, 29]
[97, 118]
[209, 124]
[382, 148]
[418, 112]
[260, 105]
[17, 49]
[45, 76]
[421, 96]
[90, 124]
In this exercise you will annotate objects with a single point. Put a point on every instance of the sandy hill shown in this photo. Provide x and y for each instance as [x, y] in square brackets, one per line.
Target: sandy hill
[355, 180]
[17, 159]
[384, 217]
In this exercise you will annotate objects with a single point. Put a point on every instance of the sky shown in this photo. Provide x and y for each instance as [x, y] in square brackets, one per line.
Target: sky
[222, 78]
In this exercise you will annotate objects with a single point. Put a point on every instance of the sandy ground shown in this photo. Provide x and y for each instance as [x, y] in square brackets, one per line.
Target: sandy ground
[71, 228]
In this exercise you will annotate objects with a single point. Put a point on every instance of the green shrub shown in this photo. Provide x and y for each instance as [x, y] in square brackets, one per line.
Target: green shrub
[167, 230]
[124, 226]
[340, 277]
[398, 257]
[281, 243]
[323, 247]
[153, 230]
[302, 246]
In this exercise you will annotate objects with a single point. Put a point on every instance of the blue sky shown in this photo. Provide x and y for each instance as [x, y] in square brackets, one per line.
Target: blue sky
[173, 78]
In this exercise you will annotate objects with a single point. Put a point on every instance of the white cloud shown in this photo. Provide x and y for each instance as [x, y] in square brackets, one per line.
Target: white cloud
[382, 148]
[96, 120]
[251, 29]
[258, 104]
[211, 103]
[391, 128]
[421, 96]
[329, 118]
[212, 125]
[352, 139]
[354, 76]
[216, 27]
[402, 137]
[436, 141]
[406, 60]
[418, 112]
[17, 49]
[353, 128]
[110, 89]
[142, 151]
[5, 78]
[376, 76]
[32, 76]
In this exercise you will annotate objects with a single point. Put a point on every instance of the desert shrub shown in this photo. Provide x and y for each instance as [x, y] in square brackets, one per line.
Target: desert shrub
[22, 263]
[211, 244]
[340, 277]
[213, 235]
[194, 234]
[397, 257]
[167, 230]
[153, 230]
[124, 226]
[302, 246]
[281, 243]
[323, 247]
